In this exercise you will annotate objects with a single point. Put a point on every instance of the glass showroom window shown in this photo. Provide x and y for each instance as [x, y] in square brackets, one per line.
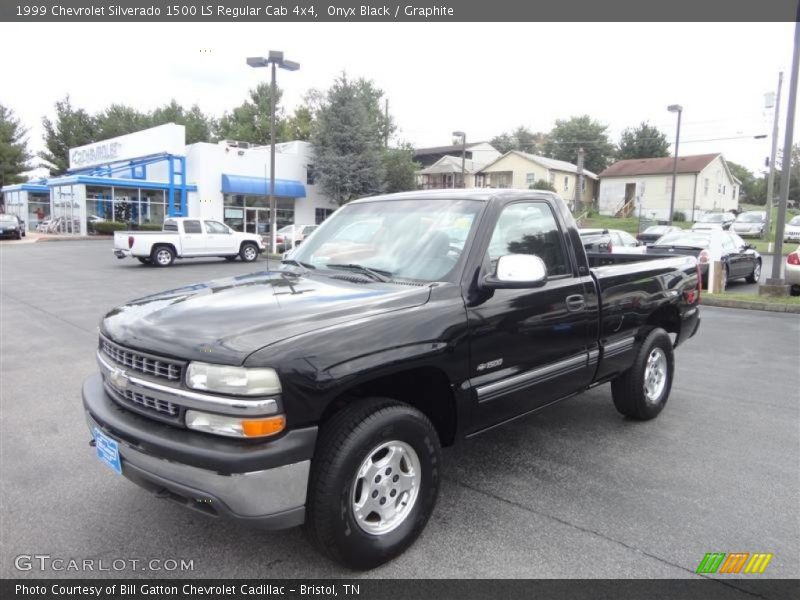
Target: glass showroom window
[152, 207]
[233, 205]
[126, 205]
[99, 205]
[66, 209]
[38, 207]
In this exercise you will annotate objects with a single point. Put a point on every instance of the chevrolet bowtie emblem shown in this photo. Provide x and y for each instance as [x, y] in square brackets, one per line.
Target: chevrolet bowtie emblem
[119, 379]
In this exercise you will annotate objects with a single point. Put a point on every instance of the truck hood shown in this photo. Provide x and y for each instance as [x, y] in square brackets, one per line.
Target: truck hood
[225, 320]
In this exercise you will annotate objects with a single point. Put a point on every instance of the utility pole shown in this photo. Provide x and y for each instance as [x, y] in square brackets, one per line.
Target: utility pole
[771, 180]
[579, 182]
[386, 126]
[678, 109]
[776, 285]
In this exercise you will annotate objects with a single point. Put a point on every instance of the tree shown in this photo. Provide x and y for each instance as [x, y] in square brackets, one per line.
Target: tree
[348, 137]
[541, 184]
[298, 126]
[522, 139]
[72, 127]
[250, 121]
[117, 120]
[644, 141]
[569, 135]
[199, 126]
[752, 189]
[400, 169]
[14, 155]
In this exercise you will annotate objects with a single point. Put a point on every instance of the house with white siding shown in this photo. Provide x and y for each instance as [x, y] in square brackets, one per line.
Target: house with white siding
[704, 183]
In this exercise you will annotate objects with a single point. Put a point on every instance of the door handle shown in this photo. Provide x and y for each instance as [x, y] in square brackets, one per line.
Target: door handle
[575, 302]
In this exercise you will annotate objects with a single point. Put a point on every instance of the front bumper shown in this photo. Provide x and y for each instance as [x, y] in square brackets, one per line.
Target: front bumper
[263, 484]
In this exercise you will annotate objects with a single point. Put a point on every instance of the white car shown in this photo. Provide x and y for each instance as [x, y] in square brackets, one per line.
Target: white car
[793, 271]
[791, 231]
[187, 238]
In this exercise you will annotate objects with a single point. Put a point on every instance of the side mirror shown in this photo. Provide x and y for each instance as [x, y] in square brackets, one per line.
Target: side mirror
[517, 271]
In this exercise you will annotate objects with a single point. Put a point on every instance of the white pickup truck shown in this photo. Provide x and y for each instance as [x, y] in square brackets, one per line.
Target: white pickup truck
[187, 238]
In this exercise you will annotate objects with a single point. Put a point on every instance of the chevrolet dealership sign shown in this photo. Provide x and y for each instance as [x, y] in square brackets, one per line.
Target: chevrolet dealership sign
[164, 139]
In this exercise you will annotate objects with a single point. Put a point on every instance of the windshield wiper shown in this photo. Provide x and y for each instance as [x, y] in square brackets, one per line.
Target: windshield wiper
[376, 274]
[291, 261]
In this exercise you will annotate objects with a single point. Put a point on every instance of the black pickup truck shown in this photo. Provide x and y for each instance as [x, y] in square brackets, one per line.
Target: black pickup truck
[321, 390]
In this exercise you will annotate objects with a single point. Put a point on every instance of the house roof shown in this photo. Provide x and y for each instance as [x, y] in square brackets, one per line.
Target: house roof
[548, 163]
[659, 166]
[450, 164]
[454, 148]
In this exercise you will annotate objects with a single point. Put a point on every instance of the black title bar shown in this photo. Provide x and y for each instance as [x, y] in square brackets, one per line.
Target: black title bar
[273, 11]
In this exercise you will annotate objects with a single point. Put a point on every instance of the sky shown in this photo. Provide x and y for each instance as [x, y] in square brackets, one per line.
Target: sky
[480, 78]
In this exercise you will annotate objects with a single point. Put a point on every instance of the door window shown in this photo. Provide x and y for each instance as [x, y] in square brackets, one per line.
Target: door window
[192, 227]
[529, 228]
[215, 227]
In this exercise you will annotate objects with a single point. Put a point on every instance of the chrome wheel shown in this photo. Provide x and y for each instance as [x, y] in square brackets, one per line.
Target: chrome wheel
[249, 253]
[164, 257]
[757, 271]
[386, 487]
[655, 375]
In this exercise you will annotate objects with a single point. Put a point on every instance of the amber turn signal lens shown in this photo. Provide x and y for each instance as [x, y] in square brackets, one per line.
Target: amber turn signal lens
[263, 427]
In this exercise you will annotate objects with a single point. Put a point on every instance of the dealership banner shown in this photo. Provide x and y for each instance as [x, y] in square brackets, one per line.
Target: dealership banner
[39, 11]
[728, 588]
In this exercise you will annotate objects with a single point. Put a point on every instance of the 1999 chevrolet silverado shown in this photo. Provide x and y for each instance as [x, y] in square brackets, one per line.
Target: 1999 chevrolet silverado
[321, 391]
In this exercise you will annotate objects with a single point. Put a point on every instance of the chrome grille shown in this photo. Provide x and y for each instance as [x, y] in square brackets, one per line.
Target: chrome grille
[149, 365]
[143, 401]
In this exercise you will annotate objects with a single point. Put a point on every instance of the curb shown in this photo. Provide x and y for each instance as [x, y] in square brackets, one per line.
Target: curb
[77, 238]
[748, 305]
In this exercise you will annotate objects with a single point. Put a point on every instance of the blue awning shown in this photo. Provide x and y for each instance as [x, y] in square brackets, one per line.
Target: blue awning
[259, 186]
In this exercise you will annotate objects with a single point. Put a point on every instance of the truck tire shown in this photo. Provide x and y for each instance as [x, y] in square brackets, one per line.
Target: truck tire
[248, 252]
[145, 260]
[374, 482]
[163, 256]
[642, 391]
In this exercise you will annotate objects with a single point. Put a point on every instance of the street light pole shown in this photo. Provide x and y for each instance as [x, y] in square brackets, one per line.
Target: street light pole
[678, 109]
[274, 60]
[771, 179]
[463, 156]
[786, 163]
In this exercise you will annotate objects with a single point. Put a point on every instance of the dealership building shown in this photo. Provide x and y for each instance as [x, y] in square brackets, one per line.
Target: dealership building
[146, 176]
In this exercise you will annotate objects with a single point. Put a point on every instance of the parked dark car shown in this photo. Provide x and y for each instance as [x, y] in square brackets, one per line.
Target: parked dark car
[750, 224]
[739, 259]
[322, 392]
[654, 232]
[11, 226]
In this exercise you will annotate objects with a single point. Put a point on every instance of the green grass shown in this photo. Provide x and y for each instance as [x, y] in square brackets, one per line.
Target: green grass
[762, 245]
[793, 300]
[629, 224]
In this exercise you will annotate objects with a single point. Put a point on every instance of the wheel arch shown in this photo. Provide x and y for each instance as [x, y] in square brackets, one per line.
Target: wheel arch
[426, 388]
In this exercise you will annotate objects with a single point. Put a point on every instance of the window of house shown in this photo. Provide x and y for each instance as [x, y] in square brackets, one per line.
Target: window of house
[552, 178]
[705, 186]
[724, 189]
[530, 179]
[529, 228]
[668, 184]
[583, 184]
[566, 183]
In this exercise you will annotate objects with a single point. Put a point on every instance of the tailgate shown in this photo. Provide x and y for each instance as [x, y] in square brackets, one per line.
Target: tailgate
[121, 239]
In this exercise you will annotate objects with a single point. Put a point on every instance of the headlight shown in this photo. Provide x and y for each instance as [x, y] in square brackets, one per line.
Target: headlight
[234, 426]
[240, 381]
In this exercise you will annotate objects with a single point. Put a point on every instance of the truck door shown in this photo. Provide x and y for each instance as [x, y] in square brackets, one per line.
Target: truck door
[193, 242]
[530, 347]
[220, 239]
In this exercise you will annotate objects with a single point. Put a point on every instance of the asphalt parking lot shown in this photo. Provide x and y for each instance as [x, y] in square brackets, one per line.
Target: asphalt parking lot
[576, 491]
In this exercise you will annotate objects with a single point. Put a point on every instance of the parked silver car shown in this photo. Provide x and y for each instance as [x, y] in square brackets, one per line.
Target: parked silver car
[752, 223]
[791, 231]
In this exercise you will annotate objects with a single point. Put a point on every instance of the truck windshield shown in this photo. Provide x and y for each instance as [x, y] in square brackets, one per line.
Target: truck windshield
[406, 239]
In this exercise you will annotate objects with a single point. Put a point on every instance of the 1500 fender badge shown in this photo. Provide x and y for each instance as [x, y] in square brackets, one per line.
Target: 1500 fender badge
[491, 364]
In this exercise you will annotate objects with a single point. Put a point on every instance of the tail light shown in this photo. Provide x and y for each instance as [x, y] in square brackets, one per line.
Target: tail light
[793, 258]
[704, 257]
[610, 247]
[639, 237]
[130, 241]
[699, 282]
